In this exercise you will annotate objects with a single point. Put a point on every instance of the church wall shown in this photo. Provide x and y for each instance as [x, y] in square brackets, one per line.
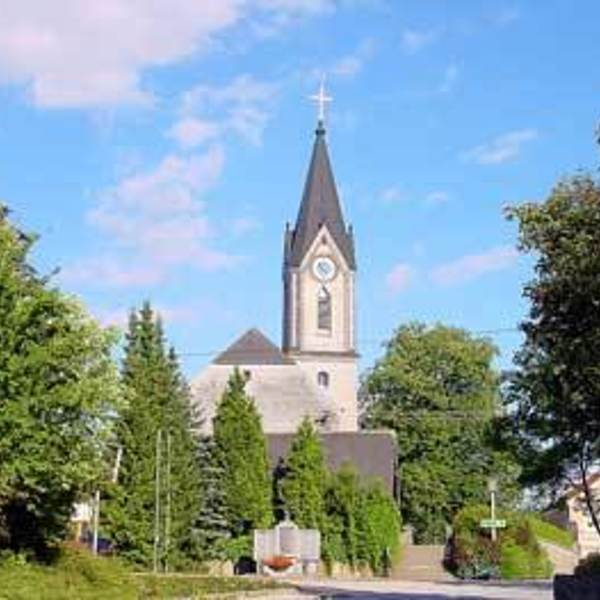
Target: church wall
[341, 394]
[282, 393]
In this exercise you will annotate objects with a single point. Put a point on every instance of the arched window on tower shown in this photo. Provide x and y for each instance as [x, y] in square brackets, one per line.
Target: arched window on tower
[324, 310]
[323, 379]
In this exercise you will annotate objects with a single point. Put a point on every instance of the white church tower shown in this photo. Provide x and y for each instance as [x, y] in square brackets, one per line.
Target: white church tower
[319, 273]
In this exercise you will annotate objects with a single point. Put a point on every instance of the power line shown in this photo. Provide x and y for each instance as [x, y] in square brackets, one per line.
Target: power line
[362, 342]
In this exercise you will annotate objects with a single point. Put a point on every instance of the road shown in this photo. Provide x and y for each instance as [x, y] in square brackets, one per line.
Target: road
[386, 589]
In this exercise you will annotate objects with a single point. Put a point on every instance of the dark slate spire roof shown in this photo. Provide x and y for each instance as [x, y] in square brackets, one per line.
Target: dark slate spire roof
[252, 348]
[320, 206]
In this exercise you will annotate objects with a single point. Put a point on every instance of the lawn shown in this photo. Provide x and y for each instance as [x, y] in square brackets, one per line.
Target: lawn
[80, 576]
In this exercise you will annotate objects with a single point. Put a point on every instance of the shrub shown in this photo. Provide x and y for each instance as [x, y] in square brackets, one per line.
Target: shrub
[590, 565]
[551, 533]
[515, 554]
[362, 522]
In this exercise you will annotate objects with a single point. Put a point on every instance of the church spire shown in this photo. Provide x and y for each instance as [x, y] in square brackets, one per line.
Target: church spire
[320, 204]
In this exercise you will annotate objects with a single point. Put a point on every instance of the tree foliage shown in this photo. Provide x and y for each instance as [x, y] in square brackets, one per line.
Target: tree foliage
[436, 388]
[303, 487]
[58, 387]
[211, 527]
[157, 400]
[362, 523]
[556, 388]
[241, 451]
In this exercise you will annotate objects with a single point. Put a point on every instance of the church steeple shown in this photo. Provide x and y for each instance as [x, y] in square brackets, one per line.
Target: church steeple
[320, 206]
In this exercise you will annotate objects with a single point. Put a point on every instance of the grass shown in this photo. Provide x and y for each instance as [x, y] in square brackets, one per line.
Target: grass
[548, 532]
[80, 576]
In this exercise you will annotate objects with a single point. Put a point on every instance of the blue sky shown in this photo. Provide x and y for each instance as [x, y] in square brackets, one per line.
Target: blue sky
[159, 148]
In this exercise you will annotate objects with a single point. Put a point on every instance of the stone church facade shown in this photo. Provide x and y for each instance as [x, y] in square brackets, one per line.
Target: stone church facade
[315, 372]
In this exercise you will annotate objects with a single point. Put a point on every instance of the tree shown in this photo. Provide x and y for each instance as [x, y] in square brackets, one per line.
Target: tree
[303, 486]
[436, 388]
[58, 389]
[157, 413]
[212, 527]
[556, 389]
[342, 503]
[379, 525]
[241, 451]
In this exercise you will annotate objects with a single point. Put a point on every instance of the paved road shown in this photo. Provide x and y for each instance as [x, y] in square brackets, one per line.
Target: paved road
[420, 590]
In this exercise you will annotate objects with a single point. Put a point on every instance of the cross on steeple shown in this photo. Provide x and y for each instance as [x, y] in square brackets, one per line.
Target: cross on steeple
[321, 98]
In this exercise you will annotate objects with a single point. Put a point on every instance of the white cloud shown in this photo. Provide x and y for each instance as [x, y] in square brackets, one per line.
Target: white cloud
[399, 278]
[501, 149]
[474, 265]
[154, 222]
[298, 6]
[241, 106]
[111, 271]
[75, 54]
[190, 132]
[352, 64]
[414, 40]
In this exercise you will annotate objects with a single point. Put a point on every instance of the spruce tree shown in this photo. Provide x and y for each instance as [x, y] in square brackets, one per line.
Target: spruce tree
[157, 413]
[241, 451]
[303, 487]
[211, 528]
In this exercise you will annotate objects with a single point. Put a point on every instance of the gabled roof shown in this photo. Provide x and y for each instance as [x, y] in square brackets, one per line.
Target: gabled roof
[252, 348]
[320, 206]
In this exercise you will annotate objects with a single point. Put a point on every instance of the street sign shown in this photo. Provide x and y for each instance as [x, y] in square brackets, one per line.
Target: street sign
[492, 523]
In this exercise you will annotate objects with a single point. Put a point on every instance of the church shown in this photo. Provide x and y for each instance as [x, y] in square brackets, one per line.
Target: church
[314, 374]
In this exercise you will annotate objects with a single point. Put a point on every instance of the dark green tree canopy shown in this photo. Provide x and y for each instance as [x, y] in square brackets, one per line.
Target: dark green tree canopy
[304, 484]
[556, 389]
[241, 451]
[58, 390]
[436, 388]
[157, 399]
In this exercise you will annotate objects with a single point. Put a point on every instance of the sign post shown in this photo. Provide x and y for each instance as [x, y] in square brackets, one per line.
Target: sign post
[492, 523]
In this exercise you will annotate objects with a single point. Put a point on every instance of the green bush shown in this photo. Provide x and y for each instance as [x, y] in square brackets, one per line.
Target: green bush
[362, 522]
[78, 575]
[590, 565]
[551, 533]
[516, 554]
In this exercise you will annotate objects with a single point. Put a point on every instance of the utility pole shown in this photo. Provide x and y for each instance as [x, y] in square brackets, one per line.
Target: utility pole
[96, 522]
[157, 500]
[168, 507]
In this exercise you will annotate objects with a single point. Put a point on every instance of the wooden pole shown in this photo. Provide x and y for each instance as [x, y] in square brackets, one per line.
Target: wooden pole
[157, 501]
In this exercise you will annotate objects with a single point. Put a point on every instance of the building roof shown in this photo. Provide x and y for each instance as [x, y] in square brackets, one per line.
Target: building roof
[373, 453]
[320, 206]
[252, 348]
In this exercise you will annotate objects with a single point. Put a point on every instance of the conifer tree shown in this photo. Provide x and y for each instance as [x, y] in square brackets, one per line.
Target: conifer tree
[157, 401]
[212, 528]
[241, 451]
[304, 484]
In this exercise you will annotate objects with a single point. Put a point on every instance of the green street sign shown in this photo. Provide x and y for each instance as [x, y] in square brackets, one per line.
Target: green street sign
[492, 523]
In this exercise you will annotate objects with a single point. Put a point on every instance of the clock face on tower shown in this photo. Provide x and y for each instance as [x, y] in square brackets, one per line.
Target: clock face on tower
[323, 268]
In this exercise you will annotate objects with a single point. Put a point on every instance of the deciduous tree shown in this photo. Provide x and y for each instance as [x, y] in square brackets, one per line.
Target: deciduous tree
[556, 389]
[436, 388]
[58, 390]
